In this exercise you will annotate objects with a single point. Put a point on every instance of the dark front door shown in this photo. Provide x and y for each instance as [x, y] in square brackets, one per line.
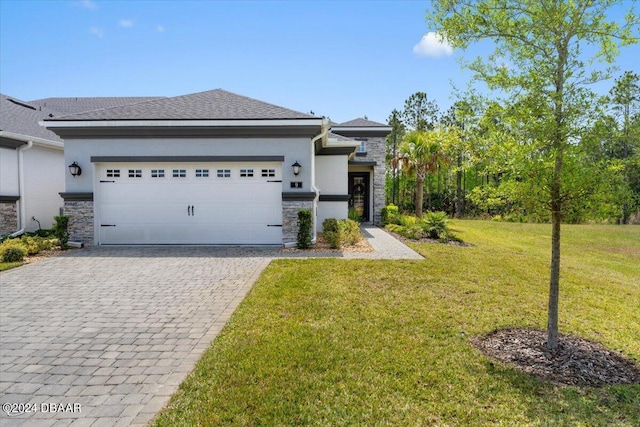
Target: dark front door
[359, 192]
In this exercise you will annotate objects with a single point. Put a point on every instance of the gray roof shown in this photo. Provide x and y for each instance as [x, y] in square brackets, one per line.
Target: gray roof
[341, 138]
[21, 117]
[215, 104]
[64, 106]
[359, 122]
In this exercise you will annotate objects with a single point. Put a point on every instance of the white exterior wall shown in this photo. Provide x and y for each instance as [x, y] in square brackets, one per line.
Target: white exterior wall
[339, 210]
[331, 179]
[331, 174]
[9, 172]
[44, 180]
[292, 148]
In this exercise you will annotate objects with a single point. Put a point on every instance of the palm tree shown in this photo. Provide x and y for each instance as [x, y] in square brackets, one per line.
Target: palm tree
[422, 152]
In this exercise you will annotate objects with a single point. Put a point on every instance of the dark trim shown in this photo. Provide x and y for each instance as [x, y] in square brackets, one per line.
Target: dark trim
[334, 197]
[184, 159]
[9, 199]
[360, 133]
[186, 132]
[335, 151]
[10, 143]
[290, 196]
[359, 163]
[80, 197]
[361, 153]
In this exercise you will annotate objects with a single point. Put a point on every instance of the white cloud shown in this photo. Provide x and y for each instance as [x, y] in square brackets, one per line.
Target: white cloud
[433, 44]
[89, 4]
[160, 28]
[126, 23]
[98, 32]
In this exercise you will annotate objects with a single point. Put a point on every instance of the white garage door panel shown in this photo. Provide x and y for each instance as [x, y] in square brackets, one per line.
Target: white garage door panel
[190, 210]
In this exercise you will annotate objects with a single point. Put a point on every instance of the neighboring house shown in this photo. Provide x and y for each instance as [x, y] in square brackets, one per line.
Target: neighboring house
[31, 168]
[213, 168]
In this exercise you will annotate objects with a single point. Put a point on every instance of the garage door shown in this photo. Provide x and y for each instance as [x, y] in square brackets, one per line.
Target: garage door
[208, 203]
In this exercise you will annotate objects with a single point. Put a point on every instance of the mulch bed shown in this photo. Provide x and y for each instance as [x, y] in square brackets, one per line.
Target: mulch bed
[427, 240]
[321, 245]
[576, 362]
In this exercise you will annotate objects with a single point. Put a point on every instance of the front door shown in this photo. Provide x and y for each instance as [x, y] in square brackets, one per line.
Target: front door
[359, 192]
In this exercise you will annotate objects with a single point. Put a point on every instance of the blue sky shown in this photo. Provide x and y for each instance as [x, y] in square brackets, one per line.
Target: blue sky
[342, 59]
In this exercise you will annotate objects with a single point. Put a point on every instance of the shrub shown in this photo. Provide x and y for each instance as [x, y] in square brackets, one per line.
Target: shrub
[390, 214]
[351, 231]
[60, 229]
[339, 231]
[331, 232]
[13, 251]
[354, 215]
[304, 229]
[435, 225]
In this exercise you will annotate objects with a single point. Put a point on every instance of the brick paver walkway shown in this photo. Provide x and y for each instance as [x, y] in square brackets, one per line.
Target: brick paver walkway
[104, 336]
[113, 330]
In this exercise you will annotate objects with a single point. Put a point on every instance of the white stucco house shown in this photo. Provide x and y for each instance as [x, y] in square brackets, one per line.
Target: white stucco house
[212, 168]
[31, 168]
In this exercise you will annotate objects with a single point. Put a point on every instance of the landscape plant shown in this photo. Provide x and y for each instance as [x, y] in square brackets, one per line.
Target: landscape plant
[539, 64]
[60, 230]
[305, 223]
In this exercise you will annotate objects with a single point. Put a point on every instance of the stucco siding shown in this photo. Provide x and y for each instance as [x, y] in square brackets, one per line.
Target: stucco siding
[327, 210]
[293, 149]
[331, 174]
[44, 180]
[8, 172]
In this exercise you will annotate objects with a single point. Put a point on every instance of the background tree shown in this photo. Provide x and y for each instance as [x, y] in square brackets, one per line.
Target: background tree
[393, 141]
[422, 152]
[538, 62]
[419, 113]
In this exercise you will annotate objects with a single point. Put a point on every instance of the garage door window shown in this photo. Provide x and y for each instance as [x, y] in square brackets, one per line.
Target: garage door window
[246, 173]
[179, 173]
[135, 173]
[268, 173]
[223, 173]
[157, 173]
[113, 173]
[202, 173]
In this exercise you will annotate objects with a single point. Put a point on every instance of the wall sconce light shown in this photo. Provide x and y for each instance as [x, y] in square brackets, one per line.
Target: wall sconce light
[296, 168]
[75, 169]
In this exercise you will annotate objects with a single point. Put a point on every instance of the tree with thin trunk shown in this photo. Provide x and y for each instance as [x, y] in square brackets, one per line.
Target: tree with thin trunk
[422, 152]
[540, 65]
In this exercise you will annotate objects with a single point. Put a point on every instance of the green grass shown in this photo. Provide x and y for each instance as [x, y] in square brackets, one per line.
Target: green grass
[7, 265]
[367, 342]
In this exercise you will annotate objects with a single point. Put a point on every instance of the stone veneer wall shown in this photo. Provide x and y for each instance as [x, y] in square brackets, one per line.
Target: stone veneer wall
[80, 213]
[8, 217]
[290, 210]
[375, 153]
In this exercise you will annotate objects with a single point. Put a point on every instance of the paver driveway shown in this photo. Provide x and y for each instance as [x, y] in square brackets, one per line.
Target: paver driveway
[106, 335]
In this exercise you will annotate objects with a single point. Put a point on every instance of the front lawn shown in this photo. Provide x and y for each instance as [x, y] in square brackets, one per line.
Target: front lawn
[369, 342]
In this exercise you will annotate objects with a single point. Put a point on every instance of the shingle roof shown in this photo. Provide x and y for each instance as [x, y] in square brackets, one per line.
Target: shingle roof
[21, 117]
[64, 106]
[359, 122]
[215, 104]
[340, 138]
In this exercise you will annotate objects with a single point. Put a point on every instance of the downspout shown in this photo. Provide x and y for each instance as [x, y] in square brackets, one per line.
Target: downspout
[23, 211]
[322, 135]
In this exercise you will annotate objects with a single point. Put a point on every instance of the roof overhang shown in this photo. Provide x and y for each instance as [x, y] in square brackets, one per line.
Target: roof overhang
[15, 140]
[362, 131]
[183, 128]
[331, 146]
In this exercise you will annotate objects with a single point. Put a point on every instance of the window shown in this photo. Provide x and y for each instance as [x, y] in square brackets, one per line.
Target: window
[202, 173]
[135, 173]
[268, 173]
[224, 173]
[113, 173]
[179, 173]
[157, 173]
[246, 173]
[363, 146]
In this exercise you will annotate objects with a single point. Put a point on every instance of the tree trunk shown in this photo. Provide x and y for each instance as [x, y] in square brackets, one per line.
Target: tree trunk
[459, 195]
[554, 282]
[419, 196]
